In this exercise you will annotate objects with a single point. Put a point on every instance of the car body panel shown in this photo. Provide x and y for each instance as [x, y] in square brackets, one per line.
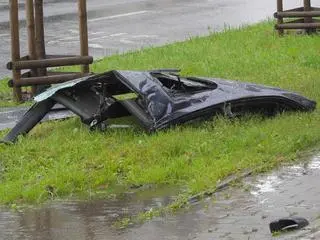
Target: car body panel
[162, 99]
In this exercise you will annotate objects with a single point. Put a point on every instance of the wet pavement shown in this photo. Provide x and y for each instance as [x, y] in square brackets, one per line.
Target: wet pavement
[236, 213]
[9, 117]
[117, 26]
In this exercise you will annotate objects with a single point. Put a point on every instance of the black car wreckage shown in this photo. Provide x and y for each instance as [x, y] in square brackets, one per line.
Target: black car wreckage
[158, 99]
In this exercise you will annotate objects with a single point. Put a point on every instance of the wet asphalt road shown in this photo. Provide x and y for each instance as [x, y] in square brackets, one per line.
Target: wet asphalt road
[240, 213]
[9, 117]
[117, 26]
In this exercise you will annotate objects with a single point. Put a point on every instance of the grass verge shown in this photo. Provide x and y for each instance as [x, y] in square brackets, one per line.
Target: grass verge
[63, 159]
[6, 99]
[6, 95]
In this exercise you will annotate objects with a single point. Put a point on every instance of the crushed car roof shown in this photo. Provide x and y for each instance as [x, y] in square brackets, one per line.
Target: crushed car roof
[160, 98]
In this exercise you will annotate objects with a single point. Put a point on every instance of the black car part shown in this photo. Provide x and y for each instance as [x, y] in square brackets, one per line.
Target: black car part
[288, 224]
[158, 99]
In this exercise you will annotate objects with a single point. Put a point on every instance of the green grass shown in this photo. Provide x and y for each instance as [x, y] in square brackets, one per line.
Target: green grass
[6, 95]
[64, 159]
[6, 99]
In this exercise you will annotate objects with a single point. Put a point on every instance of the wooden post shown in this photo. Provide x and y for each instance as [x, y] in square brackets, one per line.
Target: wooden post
[15, 47]
[280, 19]
[307, 7]
[51, 62]
[37, 60]
[83, 30]
[307, 26]
[39, 35]
[31, 36]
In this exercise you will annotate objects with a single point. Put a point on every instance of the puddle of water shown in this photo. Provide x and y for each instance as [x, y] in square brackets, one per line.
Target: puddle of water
[232, 214]
[266, 185]
[315, 164]
[80, 219]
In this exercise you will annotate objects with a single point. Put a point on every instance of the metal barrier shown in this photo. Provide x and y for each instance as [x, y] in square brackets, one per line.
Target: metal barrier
[305, 17]
[37, 61]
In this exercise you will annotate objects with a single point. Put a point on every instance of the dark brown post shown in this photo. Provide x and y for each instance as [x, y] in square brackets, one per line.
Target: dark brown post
[280, 19]
[37, 60]
[31, 36]
[50, 62]
[15, 46]
[39, 35]
[83, 29]
[307, 7]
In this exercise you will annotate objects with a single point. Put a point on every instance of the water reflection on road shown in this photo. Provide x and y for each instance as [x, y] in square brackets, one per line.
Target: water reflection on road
[79, 219]
[232, 214]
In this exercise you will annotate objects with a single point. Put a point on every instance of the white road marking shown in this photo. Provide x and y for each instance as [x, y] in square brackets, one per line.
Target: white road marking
[98, 38]
[64, 40]
[96, 33]
[126, 41]
[117, 34]
[93, 45]
[111, 35]
[144, 36]
[117, 16]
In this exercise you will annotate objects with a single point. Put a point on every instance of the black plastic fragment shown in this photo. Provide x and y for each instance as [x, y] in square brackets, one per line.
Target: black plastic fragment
[288, 224]
[29, 120]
